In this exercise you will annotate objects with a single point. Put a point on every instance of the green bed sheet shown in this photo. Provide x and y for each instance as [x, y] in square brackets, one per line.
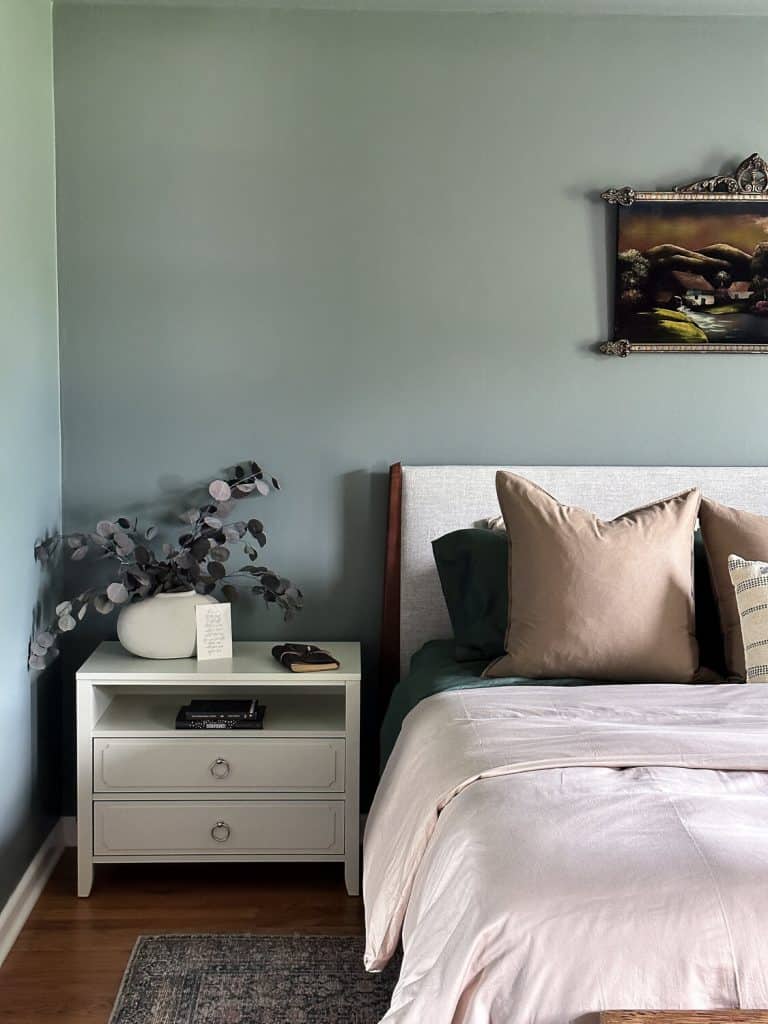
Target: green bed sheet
[434, 669]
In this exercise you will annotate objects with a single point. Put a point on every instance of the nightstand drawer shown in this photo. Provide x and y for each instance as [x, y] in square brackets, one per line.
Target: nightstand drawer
[194, 765]
[210, 827]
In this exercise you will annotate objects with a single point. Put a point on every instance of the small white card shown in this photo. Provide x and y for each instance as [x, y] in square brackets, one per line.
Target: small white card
[214, 631]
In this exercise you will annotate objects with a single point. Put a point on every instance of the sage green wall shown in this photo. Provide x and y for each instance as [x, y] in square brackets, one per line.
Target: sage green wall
[29, 426]
[339, 240]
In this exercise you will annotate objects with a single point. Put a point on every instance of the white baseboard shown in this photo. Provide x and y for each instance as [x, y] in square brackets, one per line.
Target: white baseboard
[20, 903]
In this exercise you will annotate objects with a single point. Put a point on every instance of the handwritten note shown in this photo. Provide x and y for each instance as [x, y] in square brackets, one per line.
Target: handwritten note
[214, 631]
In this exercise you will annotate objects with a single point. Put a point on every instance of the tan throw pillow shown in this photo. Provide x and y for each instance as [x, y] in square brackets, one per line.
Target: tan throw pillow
[726, 530]
[750, 589]
[590, 599]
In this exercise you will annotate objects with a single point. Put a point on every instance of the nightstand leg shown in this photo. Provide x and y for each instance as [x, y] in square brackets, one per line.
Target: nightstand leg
[352, 875]
[352, 791]
[84, 875]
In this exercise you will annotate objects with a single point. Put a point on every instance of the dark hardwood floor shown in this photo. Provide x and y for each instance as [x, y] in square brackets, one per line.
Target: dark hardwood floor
[67, 963]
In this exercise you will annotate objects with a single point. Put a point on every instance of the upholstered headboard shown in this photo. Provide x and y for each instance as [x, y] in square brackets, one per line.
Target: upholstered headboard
[428, 501]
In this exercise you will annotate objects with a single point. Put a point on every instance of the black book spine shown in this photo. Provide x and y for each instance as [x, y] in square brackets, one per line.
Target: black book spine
[242, 724]
[238, 725]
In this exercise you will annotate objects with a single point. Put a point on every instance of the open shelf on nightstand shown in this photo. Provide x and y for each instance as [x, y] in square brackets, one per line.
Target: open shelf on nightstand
[141, 715]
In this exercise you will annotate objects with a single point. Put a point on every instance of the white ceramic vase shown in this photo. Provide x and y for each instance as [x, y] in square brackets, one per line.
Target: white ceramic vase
[163, 626]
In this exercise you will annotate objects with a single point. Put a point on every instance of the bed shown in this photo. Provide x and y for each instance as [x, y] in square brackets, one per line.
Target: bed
[550, 854]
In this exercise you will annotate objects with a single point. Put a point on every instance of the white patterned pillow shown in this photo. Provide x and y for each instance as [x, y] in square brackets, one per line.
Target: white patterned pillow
[750, 584]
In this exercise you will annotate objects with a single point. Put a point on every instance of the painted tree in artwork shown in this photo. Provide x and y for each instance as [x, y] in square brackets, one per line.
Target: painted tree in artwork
[633, 269]
[760, 271]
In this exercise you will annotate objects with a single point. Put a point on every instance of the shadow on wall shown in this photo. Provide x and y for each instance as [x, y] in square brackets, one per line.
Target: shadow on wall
[45, 707]
[336, 604]
[42, 794]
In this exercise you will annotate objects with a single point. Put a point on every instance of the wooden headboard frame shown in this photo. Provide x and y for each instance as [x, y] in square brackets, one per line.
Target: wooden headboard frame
[389, 670]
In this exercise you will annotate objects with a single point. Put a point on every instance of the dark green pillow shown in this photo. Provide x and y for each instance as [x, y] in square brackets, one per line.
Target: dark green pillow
[472, 565]
[708, 631]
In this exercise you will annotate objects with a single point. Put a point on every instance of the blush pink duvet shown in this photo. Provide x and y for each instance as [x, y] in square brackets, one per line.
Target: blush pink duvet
[547, 853]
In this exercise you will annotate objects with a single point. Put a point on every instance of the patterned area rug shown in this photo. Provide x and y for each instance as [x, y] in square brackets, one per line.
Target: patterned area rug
[251, 979]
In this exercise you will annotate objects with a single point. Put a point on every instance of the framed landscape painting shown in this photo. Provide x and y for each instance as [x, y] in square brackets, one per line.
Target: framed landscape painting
[692, 266]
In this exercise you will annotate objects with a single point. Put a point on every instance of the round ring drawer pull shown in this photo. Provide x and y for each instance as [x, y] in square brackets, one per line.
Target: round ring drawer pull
[220, 832]
[220, 768]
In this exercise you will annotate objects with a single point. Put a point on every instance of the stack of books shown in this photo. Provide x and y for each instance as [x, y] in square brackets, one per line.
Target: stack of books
[221, 714]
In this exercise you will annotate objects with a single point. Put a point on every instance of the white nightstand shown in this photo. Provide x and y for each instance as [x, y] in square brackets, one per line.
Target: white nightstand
[147, 792]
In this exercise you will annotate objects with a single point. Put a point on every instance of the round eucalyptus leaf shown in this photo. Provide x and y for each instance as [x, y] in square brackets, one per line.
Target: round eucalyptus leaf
[102, 604]
[45, 639]
[246, 488]
[117, 593]
[219, 554]
[36, 661]
[262, 539]
[255, 527]
[200, 548]
[185, 560]
[37, 649]
[82, 613]
[64, 608]
[231, 534]
[216, 570]
[66, 623]
[275, 483]
[141, 555]
[79, 554]
[124, 543]
[230, 592]
[97, 539]
[220, 490]
[262, 487]
[75, 540]
[105, 528]
[213, 521]
[150, 532]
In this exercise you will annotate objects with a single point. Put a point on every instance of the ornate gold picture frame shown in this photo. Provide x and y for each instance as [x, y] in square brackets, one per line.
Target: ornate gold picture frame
[692, 266]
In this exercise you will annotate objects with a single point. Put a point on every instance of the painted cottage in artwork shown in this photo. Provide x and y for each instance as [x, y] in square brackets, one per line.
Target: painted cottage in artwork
[694, 289]
[740, 291]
